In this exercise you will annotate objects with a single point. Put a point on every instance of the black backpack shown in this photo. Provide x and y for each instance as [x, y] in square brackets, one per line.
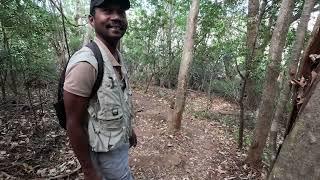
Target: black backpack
[59, 106]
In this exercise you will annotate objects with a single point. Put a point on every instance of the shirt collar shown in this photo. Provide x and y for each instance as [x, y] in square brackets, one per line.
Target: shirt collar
[114, 62]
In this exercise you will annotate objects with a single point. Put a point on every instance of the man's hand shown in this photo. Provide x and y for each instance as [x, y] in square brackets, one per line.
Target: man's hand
[133, 139]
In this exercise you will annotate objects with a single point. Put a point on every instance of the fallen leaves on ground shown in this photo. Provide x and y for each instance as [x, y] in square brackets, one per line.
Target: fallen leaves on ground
[32, 148]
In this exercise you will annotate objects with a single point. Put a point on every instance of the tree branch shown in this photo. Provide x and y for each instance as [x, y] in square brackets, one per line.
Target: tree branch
[62, 14]
[238, 70]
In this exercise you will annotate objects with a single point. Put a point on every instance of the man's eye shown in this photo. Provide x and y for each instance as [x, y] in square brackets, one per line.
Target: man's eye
[120, 12]
[107, 11]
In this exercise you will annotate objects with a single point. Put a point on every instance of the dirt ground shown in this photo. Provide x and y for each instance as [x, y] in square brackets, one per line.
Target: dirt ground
[205, 148]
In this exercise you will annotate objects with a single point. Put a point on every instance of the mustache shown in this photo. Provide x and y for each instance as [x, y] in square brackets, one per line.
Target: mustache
[116, 24]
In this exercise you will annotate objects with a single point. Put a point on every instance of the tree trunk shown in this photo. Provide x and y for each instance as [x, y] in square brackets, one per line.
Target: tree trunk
[241, 118]
[152, 73]
[266, 109]
[255, 14]
[277, 119]
[11, 72]
[3, 86]
[77, 16]
[64, 30]
[228, 68]
[169, 29]
[13, 77]
[300, 35]
[299, 157]
[293, 60]
[3, 72]
[252, 34]
[185, 65]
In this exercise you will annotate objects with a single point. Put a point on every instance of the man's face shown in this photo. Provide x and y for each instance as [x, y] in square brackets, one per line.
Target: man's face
[110, 22]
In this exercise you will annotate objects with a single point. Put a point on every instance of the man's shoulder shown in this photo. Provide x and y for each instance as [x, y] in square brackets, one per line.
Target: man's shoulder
[83, 55]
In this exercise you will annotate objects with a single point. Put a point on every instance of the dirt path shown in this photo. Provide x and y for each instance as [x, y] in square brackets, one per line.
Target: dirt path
[37, 148]
[202, 150]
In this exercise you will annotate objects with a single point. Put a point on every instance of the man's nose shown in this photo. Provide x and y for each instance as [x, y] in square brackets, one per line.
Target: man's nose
[116, 16]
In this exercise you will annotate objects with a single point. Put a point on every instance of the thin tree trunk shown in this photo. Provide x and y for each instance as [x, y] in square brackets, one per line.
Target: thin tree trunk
[58, 41]
[152, 74]
[29, 95]
[265, 114]
[64, 31]
[40, 100]
[277, 119]
[169, 40]
[300, 65]
[300, 35]
[3, 86]
[241, 120]
[209, 93]
[255, 14]
[187, 56]
[252, 34]
[77, 16]
[153, 71]
[3, 73]
[11, 71]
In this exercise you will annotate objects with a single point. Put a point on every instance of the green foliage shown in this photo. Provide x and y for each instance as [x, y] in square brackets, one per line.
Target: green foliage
[226, 88]
[152, 45]
[26, 29]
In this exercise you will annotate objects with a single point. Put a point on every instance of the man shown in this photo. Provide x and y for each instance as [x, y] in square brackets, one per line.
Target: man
[99, 128]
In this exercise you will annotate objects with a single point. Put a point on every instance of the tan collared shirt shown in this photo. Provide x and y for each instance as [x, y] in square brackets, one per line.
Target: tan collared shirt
[80, 77]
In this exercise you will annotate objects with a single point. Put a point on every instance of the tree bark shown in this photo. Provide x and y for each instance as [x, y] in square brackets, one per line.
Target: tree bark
[10, 71]
[255, 14]
[3, 72]
[299, 157]
[300, 35]
[252, 34]
[277, 119]
[293, 60]
[265, 114]
[187, 56]
[3, 86]
[64, 30]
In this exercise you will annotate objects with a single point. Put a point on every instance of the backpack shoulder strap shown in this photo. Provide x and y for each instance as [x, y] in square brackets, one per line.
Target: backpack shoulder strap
[61, 82]
[97, 54]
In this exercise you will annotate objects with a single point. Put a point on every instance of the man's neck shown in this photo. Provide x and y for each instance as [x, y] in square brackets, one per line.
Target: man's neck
[112, 46]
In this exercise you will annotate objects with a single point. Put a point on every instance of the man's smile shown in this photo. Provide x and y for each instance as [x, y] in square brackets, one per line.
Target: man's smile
[117, 27]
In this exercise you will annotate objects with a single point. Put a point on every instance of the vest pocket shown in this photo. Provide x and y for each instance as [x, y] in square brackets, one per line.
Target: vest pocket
[112, 119]
[109, 81]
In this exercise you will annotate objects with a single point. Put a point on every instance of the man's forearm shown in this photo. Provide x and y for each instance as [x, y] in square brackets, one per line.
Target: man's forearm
[80, 144]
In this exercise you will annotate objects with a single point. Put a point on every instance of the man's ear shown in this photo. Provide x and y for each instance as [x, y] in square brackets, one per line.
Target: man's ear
[91, 20]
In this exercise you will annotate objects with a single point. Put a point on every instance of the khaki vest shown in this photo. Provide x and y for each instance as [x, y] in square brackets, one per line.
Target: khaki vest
[110, 111]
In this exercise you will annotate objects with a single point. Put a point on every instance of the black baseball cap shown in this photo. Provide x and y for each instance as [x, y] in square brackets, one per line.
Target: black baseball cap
[125, 4]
